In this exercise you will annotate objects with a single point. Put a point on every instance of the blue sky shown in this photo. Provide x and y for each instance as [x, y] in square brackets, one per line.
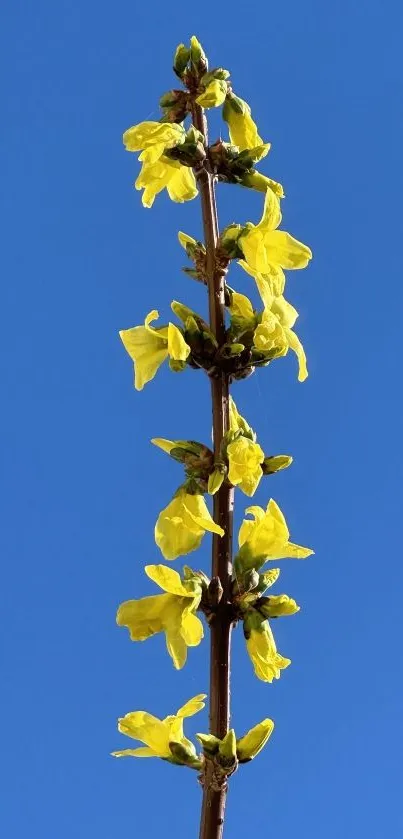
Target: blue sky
[82, 486]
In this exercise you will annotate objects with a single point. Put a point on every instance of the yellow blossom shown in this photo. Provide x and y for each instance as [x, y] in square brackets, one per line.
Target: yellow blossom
[270, 284]
[214, 94]
[179, 181]
[182, 524]
[236, 421]
[149, 347]
[244, 455]
[242, 129]
[152, 138]
[245, 458]
[160, 737]
[252, 742]
[279, 606]
[274, 333]
[262, 651]
[265, 248]
[266, 536]
[172, 613]
[255, 180]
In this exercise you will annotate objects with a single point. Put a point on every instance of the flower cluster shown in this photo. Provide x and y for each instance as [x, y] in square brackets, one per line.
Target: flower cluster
[173, 154]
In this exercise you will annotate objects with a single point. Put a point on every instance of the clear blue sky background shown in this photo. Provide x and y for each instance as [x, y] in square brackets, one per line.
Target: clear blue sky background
[81, 484]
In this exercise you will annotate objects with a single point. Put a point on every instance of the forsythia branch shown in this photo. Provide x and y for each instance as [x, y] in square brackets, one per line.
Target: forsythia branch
[237, 340]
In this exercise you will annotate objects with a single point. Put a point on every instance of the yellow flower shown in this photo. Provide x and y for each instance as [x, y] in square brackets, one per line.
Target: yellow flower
[270, 284]
[214, 94]
[182, 524]
[252, 742]
[244, 458]
[162, 738]
[242, 129]
[243, 453]
[236, 421]
[255, 180]
[179, 181]
[274, 333]
[243, 316]
[279, 606]
[265, 248]
[152, 138]
[172, 613]
[262, 650]
[149, 347]
[266, 536]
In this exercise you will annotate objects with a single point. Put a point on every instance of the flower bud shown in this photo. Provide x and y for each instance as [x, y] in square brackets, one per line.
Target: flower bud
[171, 97]
[197, 55]
[227, 749]
[252, 743]
[274, 464]
[229, 241]
[176, 366]
[215, 480]
[277, 606]
[210, 744]
[184, 756]
[181, 58]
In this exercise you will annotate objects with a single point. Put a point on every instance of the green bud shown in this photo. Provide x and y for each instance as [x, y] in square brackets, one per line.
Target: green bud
[218, 73]
[176, 366]
[191, 326]
[229, 241]
[250, 580]
[274, 464]
[277, 606]
[183, 312]
[210, 743]
[229, 350]
[252, 743]
[197, 55]
[181, 58]
[170, 98]
[215, 592]
[227, 749]
[184, 756]
[215, 480]
[194, 136]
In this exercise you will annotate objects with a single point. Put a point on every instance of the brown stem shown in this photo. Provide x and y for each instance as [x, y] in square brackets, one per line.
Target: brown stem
[215, 791]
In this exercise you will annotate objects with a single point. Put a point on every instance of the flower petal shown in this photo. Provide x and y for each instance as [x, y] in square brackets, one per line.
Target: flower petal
[193, 706]
[192, 630]
[167, 579]
[296, 346]
[178, 349]
[287, 251]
